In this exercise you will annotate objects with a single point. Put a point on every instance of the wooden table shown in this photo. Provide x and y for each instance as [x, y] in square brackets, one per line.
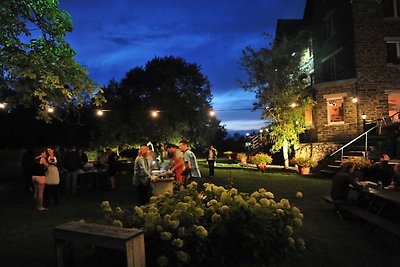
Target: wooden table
[131, 241]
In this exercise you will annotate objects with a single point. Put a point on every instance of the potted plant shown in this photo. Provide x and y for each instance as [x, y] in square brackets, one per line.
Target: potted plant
[261, 160]
[360, 165]
[304, 164]
[228, 154]
[242, 157]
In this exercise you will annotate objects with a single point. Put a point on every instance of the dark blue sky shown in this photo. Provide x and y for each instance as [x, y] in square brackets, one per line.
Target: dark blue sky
[112, 37]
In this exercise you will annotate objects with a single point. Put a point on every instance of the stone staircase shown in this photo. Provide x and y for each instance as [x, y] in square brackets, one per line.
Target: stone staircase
[376, 146]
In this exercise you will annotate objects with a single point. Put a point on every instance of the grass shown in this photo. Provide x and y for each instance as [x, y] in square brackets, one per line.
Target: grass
[26, 235]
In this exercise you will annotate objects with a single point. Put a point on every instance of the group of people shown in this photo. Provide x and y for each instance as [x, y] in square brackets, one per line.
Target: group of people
[184, 166]
[43, 168]
[380, 173]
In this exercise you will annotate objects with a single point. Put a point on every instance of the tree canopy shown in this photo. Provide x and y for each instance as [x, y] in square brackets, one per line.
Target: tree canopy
[175, 90]
[275, 75]
[37, 65]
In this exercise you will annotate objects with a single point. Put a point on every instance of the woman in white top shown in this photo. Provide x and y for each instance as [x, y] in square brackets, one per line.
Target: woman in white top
[52, 178]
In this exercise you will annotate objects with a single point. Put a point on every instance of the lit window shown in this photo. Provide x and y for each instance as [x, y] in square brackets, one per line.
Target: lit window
[391, 8]
[335, 110]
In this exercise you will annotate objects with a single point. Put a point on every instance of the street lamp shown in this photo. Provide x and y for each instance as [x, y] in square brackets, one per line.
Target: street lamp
[50, 109]
[154, 114]
[212, 113]
[364, 117]
[3, 105]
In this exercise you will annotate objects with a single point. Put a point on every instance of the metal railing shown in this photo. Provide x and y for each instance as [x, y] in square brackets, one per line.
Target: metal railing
[379, 123]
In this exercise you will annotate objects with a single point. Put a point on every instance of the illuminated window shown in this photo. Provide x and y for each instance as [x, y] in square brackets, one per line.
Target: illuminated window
[308, 118]
[335, 110]
[394, 105]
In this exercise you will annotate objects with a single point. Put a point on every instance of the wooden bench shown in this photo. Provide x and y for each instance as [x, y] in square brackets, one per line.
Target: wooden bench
[366, 216]
[130, 241]
[372, 218]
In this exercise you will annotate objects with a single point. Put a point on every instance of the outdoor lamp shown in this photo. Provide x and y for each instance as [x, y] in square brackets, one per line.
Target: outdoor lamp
[363, 116]
[354, 100]
[261, 130]
[293, 105]
[3, 105]
[154, 114]
[50, 110]
[99, 112]
[212, 113]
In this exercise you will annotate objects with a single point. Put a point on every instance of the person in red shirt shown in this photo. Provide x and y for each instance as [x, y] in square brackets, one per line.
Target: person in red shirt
[177, 164]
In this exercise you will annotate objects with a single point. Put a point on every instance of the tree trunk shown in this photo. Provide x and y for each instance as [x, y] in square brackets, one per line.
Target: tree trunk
[285, 151]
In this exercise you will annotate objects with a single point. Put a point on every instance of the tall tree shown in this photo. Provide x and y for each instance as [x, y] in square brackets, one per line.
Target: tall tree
[275, 75]
[37, 66]
[176, 90]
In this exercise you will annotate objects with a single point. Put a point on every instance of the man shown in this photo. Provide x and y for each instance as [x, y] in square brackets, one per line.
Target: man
[341, 183]
[177, 162]
[71, 163]
[191, 171]
[142, 176]
[212, 155]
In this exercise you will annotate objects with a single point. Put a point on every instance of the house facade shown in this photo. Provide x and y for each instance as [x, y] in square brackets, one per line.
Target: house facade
[353, 65]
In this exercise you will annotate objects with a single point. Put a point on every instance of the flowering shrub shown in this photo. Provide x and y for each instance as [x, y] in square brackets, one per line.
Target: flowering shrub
[218, 227]
[240, 156]
[359, 162]
[261, 158]
[305, 162]
[228, 154]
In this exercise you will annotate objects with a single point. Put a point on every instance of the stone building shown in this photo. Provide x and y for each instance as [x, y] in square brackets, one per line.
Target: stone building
[352, 61]
[353, 64]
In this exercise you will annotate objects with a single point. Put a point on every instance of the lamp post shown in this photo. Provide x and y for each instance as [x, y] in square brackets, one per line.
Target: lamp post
[364, 117]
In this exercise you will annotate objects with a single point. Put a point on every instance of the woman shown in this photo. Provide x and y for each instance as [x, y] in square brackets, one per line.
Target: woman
[52, 178]
[39, 178]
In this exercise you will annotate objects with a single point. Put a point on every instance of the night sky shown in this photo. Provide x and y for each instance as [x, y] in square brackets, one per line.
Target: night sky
[113, 37]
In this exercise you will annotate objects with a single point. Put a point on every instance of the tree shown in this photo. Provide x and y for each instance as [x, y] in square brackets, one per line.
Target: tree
[37, 65]
[274, 74]
[176, 90]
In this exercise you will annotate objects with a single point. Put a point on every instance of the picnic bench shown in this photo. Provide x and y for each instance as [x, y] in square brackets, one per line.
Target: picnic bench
[366, 216]
[130, 241]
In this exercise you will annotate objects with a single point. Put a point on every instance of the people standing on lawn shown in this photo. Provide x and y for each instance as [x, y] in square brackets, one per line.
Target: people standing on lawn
[142, 176]
[177, 162]
[341, 182]
[112, 169]
[39, 167]
[191, 170]
[72, 163]
[212, 156]
[52, 178]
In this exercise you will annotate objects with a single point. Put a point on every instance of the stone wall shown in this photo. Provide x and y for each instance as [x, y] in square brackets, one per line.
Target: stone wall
[318, 151]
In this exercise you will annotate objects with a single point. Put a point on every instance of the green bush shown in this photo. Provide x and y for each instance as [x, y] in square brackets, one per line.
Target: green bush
[261, 158]
[218, 227]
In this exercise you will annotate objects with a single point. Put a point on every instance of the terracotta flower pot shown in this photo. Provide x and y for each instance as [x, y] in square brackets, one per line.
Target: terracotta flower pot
[261, 166]
[304, 170]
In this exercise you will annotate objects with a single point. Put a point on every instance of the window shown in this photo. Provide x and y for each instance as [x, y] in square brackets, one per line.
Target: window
[330, 65]
[391, 8]
[329, 25]
[394, 105]
[308, 118]
[335, 110]
[393, 52]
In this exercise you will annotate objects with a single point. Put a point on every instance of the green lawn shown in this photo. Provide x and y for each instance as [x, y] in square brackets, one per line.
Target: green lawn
[26, 235]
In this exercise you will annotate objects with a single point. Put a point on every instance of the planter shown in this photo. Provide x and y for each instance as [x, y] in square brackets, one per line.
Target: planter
[304, 170]
[243, 161]
[261, 166]
[161, 186]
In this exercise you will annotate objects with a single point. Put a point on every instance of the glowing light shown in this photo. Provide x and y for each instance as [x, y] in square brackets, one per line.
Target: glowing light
[50, 110]
[3, 105]
[261, 130]
[247, 134]
[364, 116]
[212, 113]
[154, 114]
[354, 100]
[293, 105]
[99, 112]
